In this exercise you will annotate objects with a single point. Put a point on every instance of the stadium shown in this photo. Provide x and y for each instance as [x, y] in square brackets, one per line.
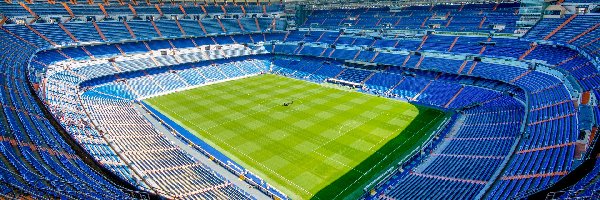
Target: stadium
[299, 99]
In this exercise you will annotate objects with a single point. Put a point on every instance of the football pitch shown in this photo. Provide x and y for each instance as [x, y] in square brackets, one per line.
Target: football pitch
[328, 144]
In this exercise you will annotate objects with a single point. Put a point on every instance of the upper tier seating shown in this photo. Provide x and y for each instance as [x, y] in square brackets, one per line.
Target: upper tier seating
[117, 31]
[45, 9]
[449, 17]
[35, 159]
[582, 31]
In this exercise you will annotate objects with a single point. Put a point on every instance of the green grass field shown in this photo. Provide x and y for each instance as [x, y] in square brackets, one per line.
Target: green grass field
[328, 144]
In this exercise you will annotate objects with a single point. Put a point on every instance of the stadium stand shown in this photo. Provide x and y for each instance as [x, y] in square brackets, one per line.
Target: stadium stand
[525, 108]
[586, 187]
[36, 160]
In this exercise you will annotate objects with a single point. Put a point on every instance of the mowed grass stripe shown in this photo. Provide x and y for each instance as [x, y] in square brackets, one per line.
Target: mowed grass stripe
[325, 141]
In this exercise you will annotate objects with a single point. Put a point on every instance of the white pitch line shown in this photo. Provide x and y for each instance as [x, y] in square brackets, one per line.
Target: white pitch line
[386, 138]
[232, 147]
[279, 175]
[378, 163]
